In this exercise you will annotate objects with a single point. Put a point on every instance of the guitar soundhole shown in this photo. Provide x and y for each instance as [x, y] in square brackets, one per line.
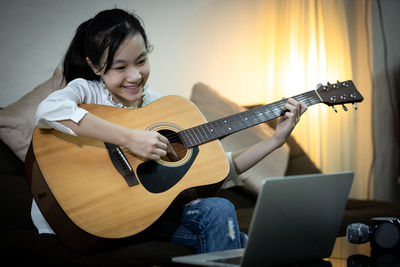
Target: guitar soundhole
[177, 144]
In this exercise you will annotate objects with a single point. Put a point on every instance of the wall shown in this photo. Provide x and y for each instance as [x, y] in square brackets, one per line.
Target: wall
[187, 39]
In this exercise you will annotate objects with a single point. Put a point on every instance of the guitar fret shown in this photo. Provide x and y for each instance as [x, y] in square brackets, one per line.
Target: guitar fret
[267, 111]
[242, 120]
[305, 100]
[193, 133]
[211, 131]
[282, 103]
[198, 134]
[190, 131]
[218, 128]
[245, 120]
[272, 110]
[260, 114]
[237, 122]
[279, 106]
[186, 139]
[315, 97]
[253, 117]
[193, 136]
[225, 126]
[205, 134]
[302, 98]
[309, 98]
[278, 109]
[232, 123]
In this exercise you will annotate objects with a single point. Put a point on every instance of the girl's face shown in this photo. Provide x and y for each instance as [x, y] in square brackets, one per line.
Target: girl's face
[129, 72]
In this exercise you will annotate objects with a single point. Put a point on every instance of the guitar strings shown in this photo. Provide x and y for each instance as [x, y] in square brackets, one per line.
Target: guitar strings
[174, 137]
[307, 98]
[179, 152]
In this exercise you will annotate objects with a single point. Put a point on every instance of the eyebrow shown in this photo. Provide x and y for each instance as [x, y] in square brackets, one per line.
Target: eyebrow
[116, 61]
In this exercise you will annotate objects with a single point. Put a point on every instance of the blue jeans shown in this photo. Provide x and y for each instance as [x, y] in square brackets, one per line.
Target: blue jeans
[209, 224]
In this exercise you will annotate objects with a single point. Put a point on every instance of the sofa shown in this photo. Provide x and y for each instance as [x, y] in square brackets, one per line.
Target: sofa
[22, 245]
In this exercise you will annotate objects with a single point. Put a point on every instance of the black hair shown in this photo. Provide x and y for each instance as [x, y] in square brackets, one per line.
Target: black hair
[106, 31]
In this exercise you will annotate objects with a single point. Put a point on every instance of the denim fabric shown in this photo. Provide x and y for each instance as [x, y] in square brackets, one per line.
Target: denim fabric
[209, 224]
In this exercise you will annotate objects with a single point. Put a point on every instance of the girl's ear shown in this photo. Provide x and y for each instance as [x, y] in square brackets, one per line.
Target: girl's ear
[92, 66]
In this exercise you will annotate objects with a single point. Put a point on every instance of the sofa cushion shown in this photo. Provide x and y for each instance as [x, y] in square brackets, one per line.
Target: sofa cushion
[215, 106]
[16, 120]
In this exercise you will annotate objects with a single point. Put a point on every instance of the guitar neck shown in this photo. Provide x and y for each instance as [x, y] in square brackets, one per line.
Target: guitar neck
[220, 128]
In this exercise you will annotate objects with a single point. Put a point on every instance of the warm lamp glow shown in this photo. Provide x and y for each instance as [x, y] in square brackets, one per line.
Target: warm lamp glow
[304, 48]
[269, 49]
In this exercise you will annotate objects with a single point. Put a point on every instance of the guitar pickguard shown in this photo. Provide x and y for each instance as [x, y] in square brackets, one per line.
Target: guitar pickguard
[157, 178]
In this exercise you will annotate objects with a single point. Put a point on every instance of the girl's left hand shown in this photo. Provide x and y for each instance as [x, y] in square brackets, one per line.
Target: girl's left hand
[293, 110]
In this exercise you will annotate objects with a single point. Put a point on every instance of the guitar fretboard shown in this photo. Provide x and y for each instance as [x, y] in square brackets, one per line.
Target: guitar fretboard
[220, 128]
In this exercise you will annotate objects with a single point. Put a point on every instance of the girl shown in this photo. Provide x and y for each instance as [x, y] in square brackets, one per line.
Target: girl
[107, 63]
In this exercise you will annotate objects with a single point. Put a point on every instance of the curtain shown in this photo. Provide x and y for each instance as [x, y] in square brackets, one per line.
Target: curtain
[259, 51]
[386, 82]
[306, 43]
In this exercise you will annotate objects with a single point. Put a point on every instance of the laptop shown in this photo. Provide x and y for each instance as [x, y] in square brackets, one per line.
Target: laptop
[296, 219]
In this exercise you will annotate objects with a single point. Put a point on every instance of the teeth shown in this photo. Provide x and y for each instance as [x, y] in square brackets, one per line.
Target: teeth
[133, 86]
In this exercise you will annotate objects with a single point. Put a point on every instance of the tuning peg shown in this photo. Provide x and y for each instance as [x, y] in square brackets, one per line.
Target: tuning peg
[355, 106]
[344, 107]
[334, 109]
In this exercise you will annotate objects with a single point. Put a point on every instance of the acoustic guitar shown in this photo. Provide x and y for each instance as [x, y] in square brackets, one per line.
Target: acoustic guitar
[94, 189]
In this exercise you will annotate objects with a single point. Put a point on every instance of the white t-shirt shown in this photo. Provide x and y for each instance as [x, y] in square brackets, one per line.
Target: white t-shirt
[63, 105]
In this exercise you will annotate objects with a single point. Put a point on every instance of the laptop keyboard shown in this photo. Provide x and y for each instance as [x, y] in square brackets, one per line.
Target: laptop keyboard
[233, 260]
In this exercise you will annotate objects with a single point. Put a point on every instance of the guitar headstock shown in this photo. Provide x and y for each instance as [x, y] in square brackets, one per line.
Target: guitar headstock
[339, 93]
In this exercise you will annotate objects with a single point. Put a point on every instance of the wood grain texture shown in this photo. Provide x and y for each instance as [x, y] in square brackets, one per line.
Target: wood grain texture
[91, 191]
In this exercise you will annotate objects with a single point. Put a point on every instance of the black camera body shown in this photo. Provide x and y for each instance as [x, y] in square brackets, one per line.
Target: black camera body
[385, 233]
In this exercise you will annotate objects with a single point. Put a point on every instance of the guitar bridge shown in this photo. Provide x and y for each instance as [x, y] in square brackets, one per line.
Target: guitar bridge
[121, 164]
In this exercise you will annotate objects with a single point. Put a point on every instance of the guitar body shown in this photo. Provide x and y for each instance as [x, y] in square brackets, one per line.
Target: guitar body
[91, 192]
[79, 175]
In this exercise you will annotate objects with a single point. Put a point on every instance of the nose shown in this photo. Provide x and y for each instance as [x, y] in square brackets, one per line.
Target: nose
[133, 75]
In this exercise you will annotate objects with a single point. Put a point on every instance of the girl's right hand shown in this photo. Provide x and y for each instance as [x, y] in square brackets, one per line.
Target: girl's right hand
[148, 144]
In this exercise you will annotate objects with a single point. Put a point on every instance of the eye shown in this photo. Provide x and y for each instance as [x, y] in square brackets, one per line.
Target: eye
[142, 61]
[119, 67]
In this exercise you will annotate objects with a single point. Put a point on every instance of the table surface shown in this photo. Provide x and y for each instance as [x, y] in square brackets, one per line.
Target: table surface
[343, 249]
[346, 254]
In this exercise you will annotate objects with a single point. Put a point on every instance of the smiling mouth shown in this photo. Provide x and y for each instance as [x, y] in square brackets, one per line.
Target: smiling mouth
[133, 87]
